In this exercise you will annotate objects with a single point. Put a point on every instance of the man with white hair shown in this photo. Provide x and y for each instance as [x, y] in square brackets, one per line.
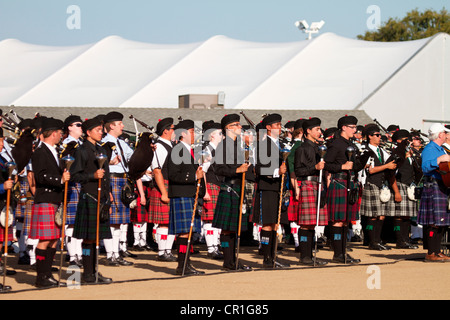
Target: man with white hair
[433, 212]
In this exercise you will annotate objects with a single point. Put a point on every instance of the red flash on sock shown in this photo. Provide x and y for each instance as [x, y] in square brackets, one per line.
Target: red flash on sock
[183, 248]
[40, 258]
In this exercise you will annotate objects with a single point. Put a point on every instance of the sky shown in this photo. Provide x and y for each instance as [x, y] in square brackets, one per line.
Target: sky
[57, 23]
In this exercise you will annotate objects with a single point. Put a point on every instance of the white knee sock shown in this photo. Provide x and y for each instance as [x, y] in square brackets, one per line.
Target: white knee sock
[137, 230]
[162, 236]
[209, 237]
[31, 245]
[294, 231]
[123, 237]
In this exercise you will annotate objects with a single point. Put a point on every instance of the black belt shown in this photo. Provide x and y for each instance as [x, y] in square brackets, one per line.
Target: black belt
[236, 181]
[119, 175]
[342, 176]
[309, 178]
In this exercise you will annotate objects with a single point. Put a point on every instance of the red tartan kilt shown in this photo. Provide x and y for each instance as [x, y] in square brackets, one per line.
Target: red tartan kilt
[158, 211]
[210, 206]
[2, 233]
[308, 205]
[293, 208]
[43, 226]
[140, 213]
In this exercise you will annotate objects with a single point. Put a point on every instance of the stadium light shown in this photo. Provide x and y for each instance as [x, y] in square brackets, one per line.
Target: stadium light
[302, 25]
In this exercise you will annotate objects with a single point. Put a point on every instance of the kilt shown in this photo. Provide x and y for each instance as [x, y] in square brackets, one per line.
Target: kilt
[307, 214]
[141, 213]
[293, 208]
[226, 215]
[249, 193]
[337, 202]
[43, 226]
[180, 216]
[433, 208]
[371, 205]
[120, 213]
[20, 211]
[10, 233]
[27, 221]
[73, 195]
[85, 226]
[406, 208]
[266, 206]
[210, 206]
[158, 211]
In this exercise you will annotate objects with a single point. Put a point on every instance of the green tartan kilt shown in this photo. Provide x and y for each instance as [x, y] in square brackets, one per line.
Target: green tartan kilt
[337, 202]
[226, 214]
[86, 221]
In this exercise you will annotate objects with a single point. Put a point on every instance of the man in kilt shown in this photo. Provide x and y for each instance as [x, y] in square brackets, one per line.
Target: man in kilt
[372, 206]
[50, 179]
[409, 172]
[86, 172]
[307, 168]
[433, 211]
[269, 169]
[159, 195]
[184, 176]
[5, 185]
[230, 163]
[293, 209]
[72, 125]
[116, 248]
[341, 211]
[212, 133]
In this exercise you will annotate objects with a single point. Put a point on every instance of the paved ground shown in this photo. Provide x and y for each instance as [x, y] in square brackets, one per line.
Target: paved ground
[391, 275]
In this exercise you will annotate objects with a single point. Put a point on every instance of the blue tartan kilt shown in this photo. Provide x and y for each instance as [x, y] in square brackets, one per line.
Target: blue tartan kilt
[433, 206]
[120, 213]
[180, 216]
[73, 196]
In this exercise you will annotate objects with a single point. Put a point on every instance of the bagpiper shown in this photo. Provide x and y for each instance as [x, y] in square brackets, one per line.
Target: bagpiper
[374, 205]
[407, 176]
[85, 170]
[186, 186]
[231, 164]
[50, 179]
[212, 133]
[342, 194]
[308, 164]
[116, 248]
[72, 126]
[159, 195]
[269, 169]
[433, 211]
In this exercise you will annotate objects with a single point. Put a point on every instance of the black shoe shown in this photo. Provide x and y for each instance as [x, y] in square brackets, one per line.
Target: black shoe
[43, 281]
[124, 262]
[241, 267]
[350, 260]
[138, 248]
[24, 260]
[167, 257]
[216, 255]
[308, 261]
[406, 245]
[112, 262]
[189, 271]
[276, 265]
[378, 246]
[5, 288]
[127, 254]
[91, 279]
[76, 262]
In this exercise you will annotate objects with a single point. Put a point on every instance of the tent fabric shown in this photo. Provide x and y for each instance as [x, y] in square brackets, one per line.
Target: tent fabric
[395, 82]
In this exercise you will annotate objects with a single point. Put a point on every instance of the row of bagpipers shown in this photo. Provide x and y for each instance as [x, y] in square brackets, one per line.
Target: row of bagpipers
[95, 184]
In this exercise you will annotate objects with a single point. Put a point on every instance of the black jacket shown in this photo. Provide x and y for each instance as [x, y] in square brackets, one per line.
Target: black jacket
[84, 167]
[269, 157]
[182, 168]
[48, 176]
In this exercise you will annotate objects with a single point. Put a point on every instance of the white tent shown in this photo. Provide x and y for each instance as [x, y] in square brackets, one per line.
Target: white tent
[400, 82]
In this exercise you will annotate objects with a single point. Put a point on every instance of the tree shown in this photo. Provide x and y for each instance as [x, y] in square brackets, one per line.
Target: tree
[415, 25]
